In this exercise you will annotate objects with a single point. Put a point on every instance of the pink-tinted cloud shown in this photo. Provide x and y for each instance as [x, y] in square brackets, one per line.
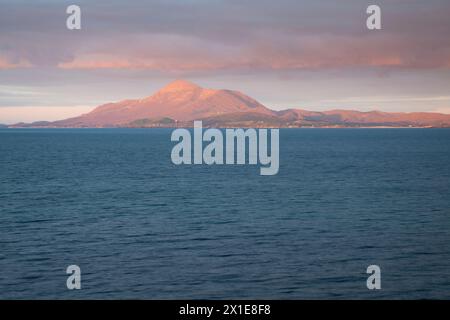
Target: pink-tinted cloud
[6, 64]
[165, 65]
[179, 36]
[286, 53]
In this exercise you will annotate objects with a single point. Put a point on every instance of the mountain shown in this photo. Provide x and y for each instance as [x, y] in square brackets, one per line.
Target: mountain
[350, 118]
[181, 102]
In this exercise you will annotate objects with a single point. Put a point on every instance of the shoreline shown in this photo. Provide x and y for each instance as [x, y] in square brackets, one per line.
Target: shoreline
[233, 127]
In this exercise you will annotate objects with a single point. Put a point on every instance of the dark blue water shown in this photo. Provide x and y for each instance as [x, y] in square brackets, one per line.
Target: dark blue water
[111, 201]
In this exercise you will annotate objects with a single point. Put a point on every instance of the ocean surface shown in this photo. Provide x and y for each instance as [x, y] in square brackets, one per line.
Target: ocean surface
[112, 202]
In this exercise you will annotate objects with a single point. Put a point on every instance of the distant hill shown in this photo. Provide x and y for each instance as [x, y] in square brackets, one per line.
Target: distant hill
[181, 102]
[350, 118]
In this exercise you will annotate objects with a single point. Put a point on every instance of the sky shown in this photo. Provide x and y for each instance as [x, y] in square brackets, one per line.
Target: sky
[314, 55]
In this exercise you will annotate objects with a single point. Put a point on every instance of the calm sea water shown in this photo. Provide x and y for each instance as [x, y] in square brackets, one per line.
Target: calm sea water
[110, 201]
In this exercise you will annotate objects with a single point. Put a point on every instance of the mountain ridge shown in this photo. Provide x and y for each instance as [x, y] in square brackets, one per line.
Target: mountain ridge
[181, 102]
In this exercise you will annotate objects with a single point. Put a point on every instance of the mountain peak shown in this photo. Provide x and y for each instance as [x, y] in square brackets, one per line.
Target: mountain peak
[180, 85]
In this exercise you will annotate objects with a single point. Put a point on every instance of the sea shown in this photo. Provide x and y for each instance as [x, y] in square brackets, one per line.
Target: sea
[139, 227]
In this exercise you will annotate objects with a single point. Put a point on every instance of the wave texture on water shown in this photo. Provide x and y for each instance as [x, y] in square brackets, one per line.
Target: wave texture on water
[111, 201]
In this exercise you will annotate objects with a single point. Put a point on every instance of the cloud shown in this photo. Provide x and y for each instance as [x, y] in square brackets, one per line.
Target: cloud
[11, 115]
[181, 36]
[285, 53]
[445, 110]
[390, 99]
[6, 64]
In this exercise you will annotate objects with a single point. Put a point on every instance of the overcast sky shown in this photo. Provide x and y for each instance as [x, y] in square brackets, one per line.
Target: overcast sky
[312, 54]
